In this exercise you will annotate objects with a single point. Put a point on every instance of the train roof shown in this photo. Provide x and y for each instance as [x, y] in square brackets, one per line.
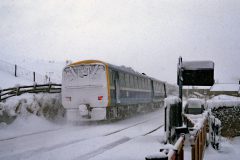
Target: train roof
[86, 62]
[115, 67]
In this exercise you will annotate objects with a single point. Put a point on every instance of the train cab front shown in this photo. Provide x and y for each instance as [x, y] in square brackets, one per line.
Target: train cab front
[85, 91]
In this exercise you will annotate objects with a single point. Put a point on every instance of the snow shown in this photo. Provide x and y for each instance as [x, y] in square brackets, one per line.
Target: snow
[223, 100]
[195, 65]
[25, 70]
[25, 125]
[195, 101]
[229, 150]
[225, 87]
[197, 119]
[85, 141]
[11, 81]
[171, 100]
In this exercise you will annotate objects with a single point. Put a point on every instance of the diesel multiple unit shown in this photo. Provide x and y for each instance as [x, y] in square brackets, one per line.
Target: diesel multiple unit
[95, 90]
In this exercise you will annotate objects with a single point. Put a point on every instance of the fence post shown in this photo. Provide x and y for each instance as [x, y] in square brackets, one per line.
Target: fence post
[0, 95]
[18, 90]
[49, 87]
[34, 77]
[15, 73]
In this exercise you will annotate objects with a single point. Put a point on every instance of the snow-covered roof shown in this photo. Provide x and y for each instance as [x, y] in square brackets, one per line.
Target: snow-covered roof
[195, 65]
[195, 101]
[225, 87]
[171, 100]
[196, 87]
[223, 100]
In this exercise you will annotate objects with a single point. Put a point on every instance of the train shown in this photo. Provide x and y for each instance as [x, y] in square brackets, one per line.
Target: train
[96, 90]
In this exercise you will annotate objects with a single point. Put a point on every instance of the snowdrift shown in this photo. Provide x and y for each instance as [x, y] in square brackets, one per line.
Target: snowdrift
[42, 104]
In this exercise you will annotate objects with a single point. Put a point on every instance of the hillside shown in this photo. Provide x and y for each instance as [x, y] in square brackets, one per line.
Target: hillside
[25, 68]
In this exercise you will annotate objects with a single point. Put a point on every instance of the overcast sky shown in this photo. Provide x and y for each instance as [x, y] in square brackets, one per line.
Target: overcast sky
[147, 35]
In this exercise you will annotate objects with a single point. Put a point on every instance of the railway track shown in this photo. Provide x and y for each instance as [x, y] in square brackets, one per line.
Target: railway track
[29, 134]
[113, 145]
[104, 141]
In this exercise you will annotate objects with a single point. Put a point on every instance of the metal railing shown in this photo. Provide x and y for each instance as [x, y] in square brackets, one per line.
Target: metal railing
[37, 88]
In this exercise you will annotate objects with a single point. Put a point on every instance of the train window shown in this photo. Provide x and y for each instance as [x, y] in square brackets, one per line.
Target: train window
[135, 82]
[149, 83]
[144, 87]
[127, 80]
[138, 82]
[143, 83]
[146, 83]
[131, 81]
[113, 77]
[121, 79]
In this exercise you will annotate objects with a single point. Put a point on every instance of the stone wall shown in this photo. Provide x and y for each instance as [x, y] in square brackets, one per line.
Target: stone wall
[230, 119]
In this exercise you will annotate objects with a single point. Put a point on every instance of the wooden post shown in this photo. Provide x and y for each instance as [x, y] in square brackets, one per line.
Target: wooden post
[49, 87]
[0, 95]
[180, 82]
[15, 73]
[34, 77]
[18, 91]
[193, 151]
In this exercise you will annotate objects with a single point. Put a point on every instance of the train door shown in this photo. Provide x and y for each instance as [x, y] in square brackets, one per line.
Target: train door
[117, 90]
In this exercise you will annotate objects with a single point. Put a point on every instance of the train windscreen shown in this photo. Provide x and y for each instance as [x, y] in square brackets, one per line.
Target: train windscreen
[90, 74]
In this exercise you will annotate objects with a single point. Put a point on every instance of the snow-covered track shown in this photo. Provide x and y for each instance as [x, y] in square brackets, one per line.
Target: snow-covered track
[153, 130]
[29, 134]
[125, 128]
[81, 141]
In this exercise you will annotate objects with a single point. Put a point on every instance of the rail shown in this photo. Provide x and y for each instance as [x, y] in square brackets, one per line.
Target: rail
[37, 88]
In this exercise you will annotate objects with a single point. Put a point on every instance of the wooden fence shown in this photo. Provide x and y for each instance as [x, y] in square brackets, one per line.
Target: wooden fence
[198, 142]
[176, 153]
[16, 91]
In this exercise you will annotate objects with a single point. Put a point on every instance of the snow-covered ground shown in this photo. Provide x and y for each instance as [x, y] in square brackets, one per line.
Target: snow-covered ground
[26, 66]
[35, 138]
[11, 81]
[32, 137]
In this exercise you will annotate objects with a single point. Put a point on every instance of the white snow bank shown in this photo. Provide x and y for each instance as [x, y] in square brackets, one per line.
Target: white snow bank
[42, 104]
[25, 125]
[225, 97]
[195, 102]
[9, 80]
[225, 87]
[171, 100]
[229, 150]
[197, 119]
[223, 100]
